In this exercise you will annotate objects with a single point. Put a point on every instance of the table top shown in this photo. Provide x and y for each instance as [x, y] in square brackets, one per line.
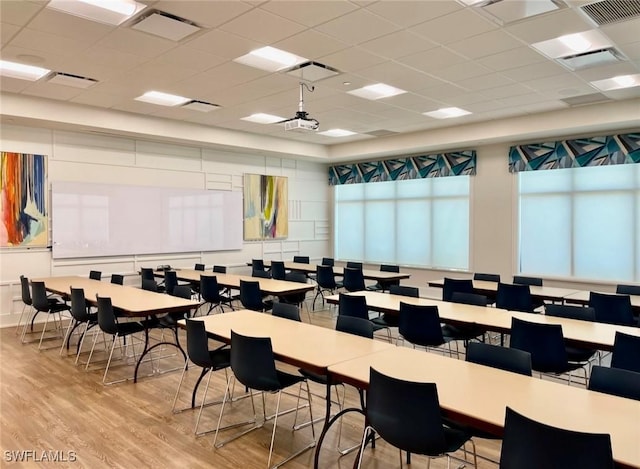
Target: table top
[582, 297]
[545, 293]
[339, 271]
[479, 395]
[296, 343]
[133, 301]
[585, 333]
[267, 285]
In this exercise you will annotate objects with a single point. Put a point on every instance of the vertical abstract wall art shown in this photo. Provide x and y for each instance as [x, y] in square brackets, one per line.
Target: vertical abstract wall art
[23, 205]
[265, 207]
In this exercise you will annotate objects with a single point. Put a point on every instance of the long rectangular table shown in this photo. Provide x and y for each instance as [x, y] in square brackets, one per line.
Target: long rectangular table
[376, 275]
[583, 333]
[490, 288]
[479, 395]
[582, 298]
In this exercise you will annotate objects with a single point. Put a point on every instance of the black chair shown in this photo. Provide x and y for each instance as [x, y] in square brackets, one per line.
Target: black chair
[522, 280]
[545, 343]
[253, 365]
[257, 265]
[508, 359]
[328, 261]
[615, 381]
[219, 269]
[199, 267]
[383, 285]
[301, 259]
[251, 296]
[80, 317]
[574, 354]
[528, 444]
[412, 423]
[225, 292]
[354, 265]
[150, 285]
[356, 306]
[146, 273]
[628, 289]
[612, 309]
[170, 280]
[210, 294]
[117, 279]
[514, 297]
[487, 277]
[261, 273]
[95, 275]
[326, 282]
[278, 271]
[626, 352]
[42, 304]
[109, 325]
[286, 311]
[27, 304]
[209, 360]
[456, 285]
[353, 279]
[297, 299]
[420, 325]
[147, 277]
[356, 326]
[391, 320]
[467, 332]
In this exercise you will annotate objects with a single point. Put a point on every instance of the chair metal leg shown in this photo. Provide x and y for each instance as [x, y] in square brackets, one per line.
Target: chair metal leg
[175, 399]
[235, 437]
[363, 443]
[71, 326]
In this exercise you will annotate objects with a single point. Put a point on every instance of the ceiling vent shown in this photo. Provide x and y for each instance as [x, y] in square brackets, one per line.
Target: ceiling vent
[200, 106]
[586, 99]
[312, 71]
[67, 79]
[167, 26]
[381, 133]
[594, 58]
[612, 11]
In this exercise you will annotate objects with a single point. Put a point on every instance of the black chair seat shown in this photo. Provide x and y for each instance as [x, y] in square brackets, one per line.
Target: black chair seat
[287, 379]
[387, 320]
[126, 328]
[220, 358]
[454, 438]
[463, 331]
[577, 354]
[315, 377]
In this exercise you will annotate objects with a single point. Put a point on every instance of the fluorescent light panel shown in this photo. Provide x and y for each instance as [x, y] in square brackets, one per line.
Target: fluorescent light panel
[21, 71]
[447, 113]
[270, 59]
[377, 91]
[112, 12]
[572, 44]
[337, 133]
[617, 83]
[507, 11]
[261, 118]
[162, 99]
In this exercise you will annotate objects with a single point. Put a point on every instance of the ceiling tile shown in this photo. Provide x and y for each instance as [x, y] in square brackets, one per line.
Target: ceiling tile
[398, 75]
[624, 32]
[485, 44]
[491, 80]
[352, 59]
[136, 42]
[311, 45]
[188, 57]
[513, 58]
[18, 13]
[207, 17]
[446, 29]
[49, 90]
[262, 26]
[410, 101]
[94, 97]
[433, 59]
[309, 13]
[369, 26]
[531, 72]
[409, 13]
[560, 86]
[48, 43]
[73, 27]
[398, 44]
[508, 91]
[119, 60]
[608, 71]
[13, 85]
[7, 31]
[223, 44]
[465, 69]
[543, 27]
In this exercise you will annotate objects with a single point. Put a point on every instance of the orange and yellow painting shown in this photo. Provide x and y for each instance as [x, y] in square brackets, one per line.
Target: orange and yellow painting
[23, 205]
[266, 214]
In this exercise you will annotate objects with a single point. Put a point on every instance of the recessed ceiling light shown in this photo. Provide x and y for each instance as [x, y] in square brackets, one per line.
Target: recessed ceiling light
[270, 59]
[21, 71]
[619, 82]
[576, 42]
[337, 133]
[261, 118]
[572, 44]
[447, 112]
[162, 99]
[377, 91]
[112, 12]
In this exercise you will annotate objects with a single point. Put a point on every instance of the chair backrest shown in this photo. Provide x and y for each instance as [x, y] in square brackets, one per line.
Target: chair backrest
[354, 265]
[487, 277]
[355, 326]
[612, 309]
[149, 285]
[146, 273]
[522, 280]
[469, 299]
[387, 283]
[39, 296]
[514, 297]
[106, 317]
[628, 289]
[220, 269]
[95, 274]
[209, 289]
[286, 311]
[626, 352]
[117, 279]
[528, 444]
[198, 343]
[570, 311]
[182, 291]
[261, 273]
[353, 305]
[328, 261]
[508, 359]
[420, 324]
[389, 268]
[78, 305]
[453, 285]
[199, 266]
[257, 264]
[406, 414]
[352, 279]
[277, 270]
[170, 280]
[404, 290]
[25, 290]
[253, 363]
[301, 259]
[615, 381]
[250, 295]
[325, 277]
[544, 342]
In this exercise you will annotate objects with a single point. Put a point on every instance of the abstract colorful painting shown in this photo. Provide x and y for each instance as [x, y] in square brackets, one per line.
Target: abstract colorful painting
[23, 202]
[266, 214]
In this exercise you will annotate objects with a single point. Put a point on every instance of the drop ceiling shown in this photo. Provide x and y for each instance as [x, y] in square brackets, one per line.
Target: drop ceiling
[443, 53]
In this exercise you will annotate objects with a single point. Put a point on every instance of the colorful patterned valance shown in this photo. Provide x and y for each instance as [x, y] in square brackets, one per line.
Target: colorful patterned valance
[415, 167]
[595, 151]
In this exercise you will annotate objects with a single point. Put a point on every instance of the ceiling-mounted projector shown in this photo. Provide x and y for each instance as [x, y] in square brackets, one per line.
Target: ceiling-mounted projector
[302, 122]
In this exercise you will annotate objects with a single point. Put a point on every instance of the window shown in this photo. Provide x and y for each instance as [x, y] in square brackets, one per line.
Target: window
[582, 222]
[419, 222]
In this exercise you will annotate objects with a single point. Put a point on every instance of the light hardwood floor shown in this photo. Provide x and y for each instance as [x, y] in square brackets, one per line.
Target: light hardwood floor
[48, 404]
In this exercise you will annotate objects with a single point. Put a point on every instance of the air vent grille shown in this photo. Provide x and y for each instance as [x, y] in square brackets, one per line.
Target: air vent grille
[381, 133]
[612, 11]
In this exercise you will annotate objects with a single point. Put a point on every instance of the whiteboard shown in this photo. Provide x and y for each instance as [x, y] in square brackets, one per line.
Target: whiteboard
[94, 220]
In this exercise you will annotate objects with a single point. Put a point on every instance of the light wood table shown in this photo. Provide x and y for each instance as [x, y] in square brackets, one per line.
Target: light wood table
[376, 275]
[582, 298]
[582, 333]
[478, 395]
[491, 288]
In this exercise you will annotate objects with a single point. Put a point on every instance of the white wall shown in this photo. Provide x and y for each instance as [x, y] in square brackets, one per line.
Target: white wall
[107, 159]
